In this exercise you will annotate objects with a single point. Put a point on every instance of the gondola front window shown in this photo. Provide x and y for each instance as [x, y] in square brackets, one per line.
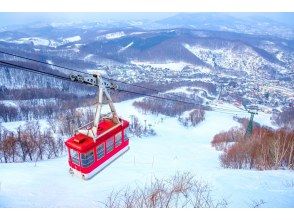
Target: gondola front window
[74, 155]
[88, 158]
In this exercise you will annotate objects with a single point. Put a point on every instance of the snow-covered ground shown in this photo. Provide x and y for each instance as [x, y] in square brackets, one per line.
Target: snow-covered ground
[175, 148]
[71, 39]
[242, 59]
[114, 35]
[126, 47]
[36, 41]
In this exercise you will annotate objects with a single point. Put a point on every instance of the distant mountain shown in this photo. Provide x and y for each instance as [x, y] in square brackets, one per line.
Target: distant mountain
[275, 24]
[209, 49]
[90, 45]
[199, 20]
[284, 18]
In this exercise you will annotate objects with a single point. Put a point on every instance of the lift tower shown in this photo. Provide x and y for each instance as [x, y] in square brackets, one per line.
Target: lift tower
[249, 128]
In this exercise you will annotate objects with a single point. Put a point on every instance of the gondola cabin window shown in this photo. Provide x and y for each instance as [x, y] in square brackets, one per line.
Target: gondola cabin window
[126, 134]
[109, 145]
[88, 158]
[74, 155]
[100, 151]
[118, 139]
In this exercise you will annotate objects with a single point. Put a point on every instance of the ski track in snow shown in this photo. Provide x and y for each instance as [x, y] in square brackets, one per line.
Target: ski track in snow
[175, 148]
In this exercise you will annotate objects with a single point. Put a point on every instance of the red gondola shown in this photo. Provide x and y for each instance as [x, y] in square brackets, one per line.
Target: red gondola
[92, 147]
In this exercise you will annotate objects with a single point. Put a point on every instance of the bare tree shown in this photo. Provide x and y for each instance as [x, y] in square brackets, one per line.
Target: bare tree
[181, 190]
[265, 149]
[257, 203]
[29, 143]
[8, 147]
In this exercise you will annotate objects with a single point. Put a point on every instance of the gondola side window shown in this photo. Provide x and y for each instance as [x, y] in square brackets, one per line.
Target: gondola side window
[100, 151]
[118, 139]
[88, 158]
[109, 145]
[126, 134]
[74, 155]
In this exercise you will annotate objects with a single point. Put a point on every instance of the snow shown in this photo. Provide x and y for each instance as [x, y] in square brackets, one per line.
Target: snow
[189, 90]
[139, 23]
[71, 39]
[62, 24]
[49, 61]
[126, 47]
[12, 126]
[175, 148]
[280, 56]
[201, 34]
[5, 39]
[36, 41]
[9, 103]
[79, 45]
[183, 89]
[176, 66]
[114, 35]
[137, 33]
[233, 57]
[88, 57]
[100, 71]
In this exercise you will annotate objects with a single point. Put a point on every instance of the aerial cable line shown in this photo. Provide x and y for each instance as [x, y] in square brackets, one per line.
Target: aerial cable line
[119, 90]
[34, 70]
[229, 109]
[78, 71]
[68, 79]
[158, 97]
[119, 81]
[43, 62]
[143, 87]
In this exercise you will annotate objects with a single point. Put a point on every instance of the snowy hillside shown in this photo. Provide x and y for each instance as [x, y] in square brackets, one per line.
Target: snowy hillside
[72, 39]
[175, 148]
[114, 35]
[235, 57]
[36, 41]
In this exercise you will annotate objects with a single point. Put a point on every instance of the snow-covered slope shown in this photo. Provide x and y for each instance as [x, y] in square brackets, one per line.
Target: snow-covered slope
[114, 35]
[126, 47]
[71, 39]
[175, 148]
[36, 41]
[234, 57]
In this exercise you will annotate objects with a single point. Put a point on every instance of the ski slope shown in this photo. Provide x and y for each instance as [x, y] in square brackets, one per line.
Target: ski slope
[175, 148]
